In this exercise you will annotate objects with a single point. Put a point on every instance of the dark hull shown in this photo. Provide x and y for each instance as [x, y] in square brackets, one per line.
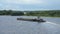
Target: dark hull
[35, 20]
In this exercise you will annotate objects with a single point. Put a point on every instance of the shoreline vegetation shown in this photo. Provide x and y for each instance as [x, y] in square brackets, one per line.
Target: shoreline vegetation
[45, 13]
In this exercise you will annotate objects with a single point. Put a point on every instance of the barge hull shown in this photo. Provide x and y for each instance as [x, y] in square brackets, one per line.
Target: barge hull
[35, 20]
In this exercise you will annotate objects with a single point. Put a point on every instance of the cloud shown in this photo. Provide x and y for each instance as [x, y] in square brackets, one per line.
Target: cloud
[18, 4]
[29, 4]
[22, 1]
[9, 7]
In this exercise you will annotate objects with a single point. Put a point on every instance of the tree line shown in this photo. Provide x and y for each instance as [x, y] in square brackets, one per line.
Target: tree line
[11, 12]
[53, 13]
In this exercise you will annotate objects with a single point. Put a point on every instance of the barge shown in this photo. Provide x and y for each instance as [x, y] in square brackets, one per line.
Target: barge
[35, 20]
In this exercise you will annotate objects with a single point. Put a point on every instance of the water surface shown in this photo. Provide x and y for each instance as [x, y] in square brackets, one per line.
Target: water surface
[10, 25]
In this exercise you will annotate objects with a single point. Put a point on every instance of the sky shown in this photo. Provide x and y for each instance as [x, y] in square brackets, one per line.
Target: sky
[29, 4]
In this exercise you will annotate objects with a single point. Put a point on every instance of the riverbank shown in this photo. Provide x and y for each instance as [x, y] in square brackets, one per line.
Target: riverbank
[34, 16]
[49, 13]
[46, 16]
[51, 16]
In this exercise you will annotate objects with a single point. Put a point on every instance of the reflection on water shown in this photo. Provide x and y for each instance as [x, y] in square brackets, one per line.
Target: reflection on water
[9, 25]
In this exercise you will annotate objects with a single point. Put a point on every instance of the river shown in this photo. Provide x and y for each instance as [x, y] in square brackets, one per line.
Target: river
[10, 25]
